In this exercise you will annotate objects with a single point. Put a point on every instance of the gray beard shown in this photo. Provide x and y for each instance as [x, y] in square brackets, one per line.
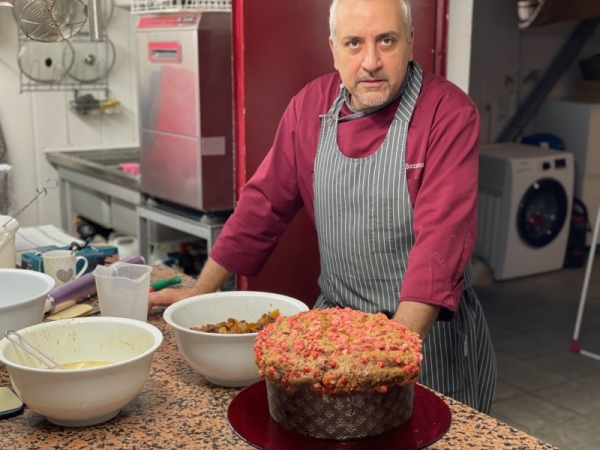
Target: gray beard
[380, 101]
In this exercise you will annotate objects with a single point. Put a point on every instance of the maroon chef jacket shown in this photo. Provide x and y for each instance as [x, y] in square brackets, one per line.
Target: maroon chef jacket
[441, 169]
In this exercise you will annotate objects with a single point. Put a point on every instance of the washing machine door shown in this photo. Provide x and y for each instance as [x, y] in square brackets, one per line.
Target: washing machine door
[542, 212]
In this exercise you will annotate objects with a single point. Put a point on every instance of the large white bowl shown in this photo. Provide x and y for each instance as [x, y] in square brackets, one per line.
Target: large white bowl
[23, 296]
[224, 359]
[83, 397]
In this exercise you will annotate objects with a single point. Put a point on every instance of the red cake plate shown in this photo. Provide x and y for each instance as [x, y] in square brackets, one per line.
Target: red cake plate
[249, 416]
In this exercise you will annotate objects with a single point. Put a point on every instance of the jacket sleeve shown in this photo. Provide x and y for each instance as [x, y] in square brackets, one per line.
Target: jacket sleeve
[445, 211]
[267, 204]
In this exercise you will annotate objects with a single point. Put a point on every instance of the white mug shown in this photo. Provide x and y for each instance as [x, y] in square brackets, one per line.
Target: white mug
[62, 265]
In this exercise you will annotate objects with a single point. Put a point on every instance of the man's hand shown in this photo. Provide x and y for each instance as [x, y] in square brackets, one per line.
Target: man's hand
[417, 317]
[166, 297]
[211, 279]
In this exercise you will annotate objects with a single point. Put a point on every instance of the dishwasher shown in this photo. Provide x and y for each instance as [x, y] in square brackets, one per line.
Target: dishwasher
[186, 110]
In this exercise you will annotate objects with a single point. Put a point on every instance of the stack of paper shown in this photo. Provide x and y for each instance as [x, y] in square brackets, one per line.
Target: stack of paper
[30, 239]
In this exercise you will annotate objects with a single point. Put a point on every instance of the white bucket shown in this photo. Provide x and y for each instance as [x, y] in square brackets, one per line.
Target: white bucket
[7, 242]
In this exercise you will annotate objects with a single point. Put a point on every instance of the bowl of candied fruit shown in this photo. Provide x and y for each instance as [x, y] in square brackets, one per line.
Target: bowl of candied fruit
[215, 333]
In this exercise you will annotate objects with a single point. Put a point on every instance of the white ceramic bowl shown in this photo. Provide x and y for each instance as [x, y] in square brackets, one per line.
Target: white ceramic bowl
[23, 296]
[83, 397]
[224, 359]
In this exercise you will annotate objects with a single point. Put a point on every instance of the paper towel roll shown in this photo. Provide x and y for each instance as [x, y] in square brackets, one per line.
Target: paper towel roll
[5, 188]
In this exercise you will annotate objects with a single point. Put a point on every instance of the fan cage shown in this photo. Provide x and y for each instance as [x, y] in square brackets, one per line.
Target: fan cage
[66, 83]
[175, 6]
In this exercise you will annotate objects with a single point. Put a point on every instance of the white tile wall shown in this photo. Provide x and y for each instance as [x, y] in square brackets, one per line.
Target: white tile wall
[34, 123]
[460, 25]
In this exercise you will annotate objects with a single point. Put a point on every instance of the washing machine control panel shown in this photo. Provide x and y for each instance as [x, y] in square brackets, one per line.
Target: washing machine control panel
[560, 163]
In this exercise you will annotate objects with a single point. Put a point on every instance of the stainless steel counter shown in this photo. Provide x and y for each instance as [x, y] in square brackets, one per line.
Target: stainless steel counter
[101, 164]
[93, 186]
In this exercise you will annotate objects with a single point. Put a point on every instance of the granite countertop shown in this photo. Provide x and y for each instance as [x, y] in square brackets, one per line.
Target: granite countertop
[179, 409]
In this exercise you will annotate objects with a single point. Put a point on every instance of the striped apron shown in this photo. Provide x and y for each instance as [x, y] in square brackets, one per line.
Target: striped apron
[364, 217]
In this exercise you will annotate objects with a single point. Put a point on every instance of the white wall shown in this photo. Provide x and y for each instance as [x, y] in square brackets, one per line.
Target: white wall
[36, 122]
[460, 23]
[505, 62]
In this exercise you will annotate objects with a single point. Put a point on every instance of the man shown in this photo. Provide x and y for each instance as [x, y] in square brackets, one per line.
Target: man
[385, 160]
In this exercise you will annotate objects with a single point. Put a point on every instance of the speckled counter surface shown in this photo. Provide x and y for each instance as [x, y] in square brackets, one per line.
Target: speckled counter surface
[179, 409]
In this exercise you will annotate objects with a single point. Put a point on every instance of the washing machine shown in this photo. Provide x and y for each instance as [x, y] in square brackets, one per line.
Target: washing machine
[524, 209]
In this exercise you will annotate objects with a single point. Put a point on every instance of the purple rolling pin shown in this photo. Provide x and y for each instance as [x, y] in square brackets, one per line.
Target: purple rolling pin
[78, 290]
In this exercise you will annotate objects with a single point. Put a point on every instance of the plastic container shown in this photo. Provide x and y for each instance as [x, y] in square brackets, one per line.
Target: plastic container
[127, 245]
[7, 243]
[132, 168]
[123, 290]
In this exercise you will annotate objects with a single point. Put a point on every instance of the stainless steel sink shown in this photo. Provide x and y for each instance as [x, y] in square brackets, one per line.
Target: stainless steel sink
[103, 164]
[112, 157]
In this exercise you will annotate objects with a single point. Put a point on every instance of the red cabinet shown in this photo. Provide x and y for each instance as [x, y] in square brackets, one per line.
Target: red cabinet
[278, 47]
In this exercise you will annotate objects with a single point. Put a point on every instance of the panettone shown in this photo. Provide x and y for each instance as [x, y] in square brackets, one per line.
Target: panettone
[338, 373]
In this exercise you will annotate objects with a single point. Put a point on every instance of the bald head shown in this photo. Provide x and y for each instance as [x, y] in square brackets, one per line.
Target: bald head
[404, 10]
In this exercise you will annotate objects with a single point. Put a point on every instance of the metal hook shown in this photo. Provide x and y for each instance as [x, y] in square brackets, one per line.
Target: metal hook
[41, 191]
[45, 189]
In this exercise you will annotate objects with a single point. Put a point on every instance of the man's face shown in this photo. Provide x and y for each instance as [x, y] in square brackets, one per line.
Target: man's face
[371, 51]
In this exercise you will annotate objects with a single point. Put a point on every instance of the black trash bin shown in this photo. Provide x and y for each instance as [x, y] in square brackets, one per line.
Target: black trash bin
[576, 244]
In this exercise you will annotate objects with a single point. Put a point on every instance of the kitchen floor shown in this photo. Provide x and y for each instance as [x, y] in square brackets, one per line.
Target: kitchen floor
[543, 388]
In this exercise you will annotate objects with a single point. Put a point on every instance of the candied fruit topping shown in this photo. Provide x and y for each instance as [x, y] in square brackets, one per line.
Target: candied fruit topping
[338, 351]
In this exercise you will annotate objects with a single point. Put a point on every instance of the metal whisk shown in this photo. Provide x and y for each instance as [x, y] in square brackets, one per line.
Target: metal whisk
[33, 350]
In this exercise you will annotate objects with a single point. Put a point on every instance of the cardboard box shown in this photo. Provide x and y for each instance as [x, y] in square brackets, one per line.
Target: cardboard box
[587, 91]
[94, 254]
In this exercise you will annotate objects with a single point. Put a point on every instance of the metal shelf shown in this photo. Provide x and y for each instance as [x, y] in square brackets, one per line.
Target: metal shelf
[207, 230]
[178, 6]
[28, 85]
[66, 83]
